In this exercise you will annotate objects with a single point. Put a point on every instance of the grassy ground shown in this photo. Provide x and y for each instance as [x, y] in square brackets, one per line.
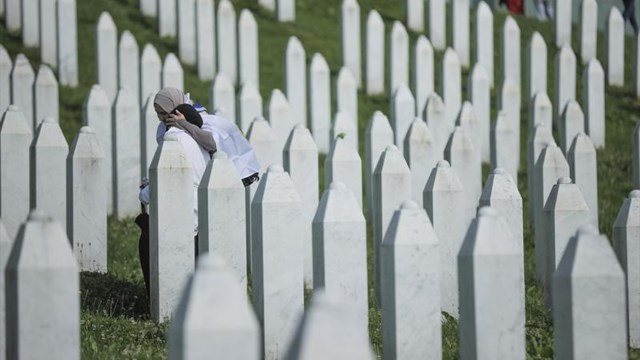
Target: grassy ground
[115, 323]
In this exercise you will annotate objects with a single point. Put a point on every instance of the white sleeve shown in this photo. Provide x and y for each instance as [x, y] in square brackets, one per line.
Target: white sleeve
[145, 195]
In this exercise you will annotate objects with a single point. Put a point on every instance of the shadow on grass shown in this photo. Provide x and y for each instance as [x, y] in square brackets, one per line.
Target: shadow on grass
[114, 297]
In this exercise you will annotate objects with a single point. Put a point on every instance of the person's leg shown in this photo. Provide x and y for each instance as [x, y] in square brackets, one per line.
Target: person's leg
[143, 249]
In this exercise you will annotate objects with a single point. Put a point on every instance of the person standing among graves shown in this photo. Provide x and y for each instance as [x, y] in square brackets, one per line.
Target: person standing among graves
[630, 14]
[173, 113]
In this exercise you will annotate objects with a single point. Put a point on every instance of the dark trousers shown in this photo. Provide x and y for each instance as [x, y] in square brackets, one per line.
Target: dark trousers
[630, 14]
[143, 248]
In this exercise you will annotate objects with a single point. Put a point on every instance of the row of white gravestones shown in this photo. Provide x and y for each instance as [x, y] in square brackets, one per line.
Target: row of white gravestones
[420, 156]
[510, 51]
[538, 139]
[503, 145]
[399, 59]
[343, 127]
[536, 67]
[414, 11]
[205, 37]
[402, 114]
[54, 29]
[126, 158]
[378, 136]
[465, 161]
[626, 233]
[451, 75]
[222, 97]
[375, 54]
[460, 25]
[347, 100]
[248, 53]
[484, 39]
[280, 118]
[604, 313]
[186, 18]
[320, 101]
[588, 30]
[565, 81]
[593, 81]
[343, 164]
[480, 97]
[423, 72]
[167, 20]
[509, 103]
[249, 105]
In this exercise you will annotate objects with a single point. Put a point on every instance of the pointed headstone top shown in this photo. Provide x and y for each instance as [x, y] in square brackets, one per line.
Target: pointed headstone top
[276, 169]
[398, 30]
[443, 164]
[14, 122]
[409, 205]
[403, 93]
[127, 40]
[318, 63]
[106, 21]
[294, 46]
[595, 68]
[510, 24]
[634, 194]
[247, 18]
[86, 130]
[588, 229]
[46, 76]
[337, 185]
[391, 148]
[484, 9]
[487, 211]
[379, 123]
[22, 65]
[564, 180]
[4, 56]
[615, 15]
[345, 77]
[39, 215]
[150, 54]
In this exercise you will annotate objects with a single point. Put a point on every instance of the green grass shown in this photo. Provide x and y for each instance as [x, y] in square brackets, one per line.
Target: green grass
[115, 323]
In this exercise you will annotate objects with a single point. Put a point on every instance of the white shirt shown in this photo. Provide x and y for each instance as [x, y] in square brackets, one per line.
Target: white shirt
[198, 158]
[229, 139]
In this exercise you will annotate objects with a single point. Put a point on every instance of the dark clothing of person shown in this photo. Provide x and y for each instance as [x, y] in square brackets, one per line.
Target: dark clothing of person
[630, 14]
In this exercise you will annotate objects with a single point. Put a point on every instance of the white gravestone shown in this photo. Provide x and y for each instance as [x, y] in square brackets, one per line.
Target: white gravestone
[320, 102]
[22, 80]
[328, 330]
[540, 112]
[593, 95]
[268, 4]
[588, 30]
[96, 113]
[340, 251]
[571, 124]
[391, 187]
[538, 139]
[167, 21]
[565, 80]
[286, 10]
[296, 80]
[277, 260]
[503, 146]
[227, 41]
[460, 24]
[222, 216]
[171, 249]
[248, 52]
[46, 95]
[536, 66]
[402, 114]
[48, 176]
[150, 73]
[564, 212]
[510, 59]
[418, 150]
[5, 249]
[636, 156]
[562, 19]
[206, 39]
[415, 15]
[30, 23]
[615, 48]
[126, 154]
[549, 167]
[636, 67]
[501, 193]
[423, 72]
[509, 102]
[451, 82]
[410, 259]
[626, 239]
[350, 30]
[301, 162]
[347, 96]
[375, 52]
[438, 24]
[15, 138]
[48, 32]
[378, 136]
[399, 57]
[68, 43]
[484, 39]
[249, 105]
[491, 264]
[435, 114]
[468, 120]
[148, 130]
[213, 316]
[263, 142]
[149, 8]
[186, 16]
[13, 15]
[129, 65]
[444, 201]
[465, 161]
[593, 329]
[344, 127]
[223, 97]
[172, 74]
[107, 55]
[343, 164]
[480, 96]
[5, 78]
[43, 293]
[87, 201]
[582, 159]
[280, 118]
